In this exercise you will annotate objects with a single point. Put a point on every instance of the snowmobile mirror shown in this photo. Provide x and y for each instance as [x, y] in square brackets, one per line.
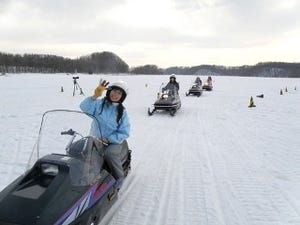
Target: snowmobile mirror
[49, 169]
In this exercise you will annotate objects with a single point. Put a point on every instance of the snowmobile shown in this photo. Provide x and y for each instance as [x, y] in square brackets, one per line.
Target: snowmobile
[71, 186]
[195, 89]
[167, 100]
[208, 84]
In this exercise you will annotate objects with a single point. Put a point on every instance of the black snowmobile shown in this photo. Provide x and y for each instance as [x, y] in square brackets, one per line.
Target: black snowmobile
[167, 100]
[195, 89]
[71, 186]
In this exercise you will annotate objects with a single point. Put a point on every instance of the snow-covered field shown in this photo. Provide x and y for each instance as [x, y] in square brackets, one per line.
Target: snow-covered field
[215, 162]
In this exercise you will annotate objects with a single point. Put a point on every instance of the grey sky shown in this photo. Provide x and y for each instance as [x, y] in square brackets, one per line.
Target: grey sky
[162, 32]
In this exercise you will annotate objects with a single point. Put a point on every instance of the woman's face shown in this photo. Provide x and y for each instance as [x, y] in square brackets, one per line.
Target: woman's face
[115, 95]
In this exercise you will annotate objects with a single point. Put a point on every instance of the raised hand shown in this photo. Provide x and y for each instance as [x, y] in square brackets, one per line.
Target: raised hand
[101, 87]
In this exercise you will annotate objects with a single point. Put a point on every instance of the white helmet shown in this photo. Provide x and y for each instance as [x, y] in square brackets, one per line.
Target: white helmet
[173, 76]
[118, 85]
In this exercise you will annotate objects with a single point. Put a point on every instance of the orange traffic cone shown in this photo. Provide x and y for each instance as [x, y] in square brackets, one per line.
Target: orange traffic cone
[61, 89]
[281, 93]
[251, 104]
[286, 90]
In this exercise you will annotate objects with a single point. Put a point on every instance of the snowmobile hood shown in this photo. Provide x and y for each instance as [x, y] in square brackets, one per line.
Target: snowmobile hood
[34, 197]
[70, 186]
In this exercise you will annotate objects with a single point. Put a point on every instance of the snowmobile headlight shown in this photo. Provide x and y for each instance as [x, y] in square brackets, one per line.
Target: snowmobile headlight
[164, 96]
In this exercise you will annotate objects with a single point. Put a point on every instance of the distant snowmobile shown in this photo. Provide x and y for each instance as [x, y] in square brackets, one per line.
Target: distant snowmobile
[208, 84]
[196, 88]
[71, 186]
[167, 100]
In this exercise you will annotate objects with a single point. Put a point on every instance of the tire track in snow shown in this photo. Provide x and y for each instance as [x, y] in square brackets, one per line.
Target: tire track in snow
[162, 198]
[166, 197]
[140, 198]
[194, 200]
[182, 193]
[275, 205]
[219, 137]
[149, 198]
[254, 200]
[215, 202]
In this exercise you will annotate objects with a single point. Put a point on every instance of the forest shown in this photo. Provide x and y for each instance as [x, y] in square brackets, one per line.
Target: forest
[108, 62]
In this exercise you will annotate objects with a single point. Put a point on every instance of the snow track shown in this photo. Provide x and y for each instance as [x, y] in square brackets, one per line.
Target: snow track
[216, 162]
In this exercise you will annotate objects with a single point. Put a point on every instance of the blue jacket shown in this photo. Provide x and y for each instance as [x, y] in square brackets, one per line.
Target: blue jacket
[115, 132]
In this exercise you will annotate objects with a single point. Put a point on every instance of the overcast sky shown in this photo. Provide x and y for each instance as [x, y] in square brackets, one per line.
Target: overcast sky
[161, 32]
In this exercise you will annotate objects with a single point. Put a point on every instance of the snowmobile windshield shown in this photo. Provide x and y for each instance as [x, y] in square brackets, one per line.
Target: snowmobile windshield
[170, 92]
[85, 162]
[59, 130]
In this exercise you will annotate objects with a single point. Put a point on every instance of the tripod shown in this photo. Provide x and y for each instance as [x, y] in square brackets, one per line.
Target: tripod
[76, 86]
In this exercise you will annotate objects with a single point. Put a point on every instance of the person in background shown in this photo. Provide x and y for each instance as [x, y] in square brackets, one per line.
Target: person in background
[209, 80]
[198, 81]
[113, 120]
[173, 85]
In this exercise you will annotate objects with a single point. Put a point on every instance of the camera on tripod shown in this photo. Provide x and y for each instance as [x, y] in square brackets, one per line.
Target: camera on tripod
[75, 79]
[76, 86]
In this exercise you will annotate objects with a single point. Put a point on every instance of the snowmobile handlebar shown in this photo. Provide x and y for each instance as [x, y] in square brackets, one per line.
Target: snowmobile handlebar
[72, 133]
[68, 132]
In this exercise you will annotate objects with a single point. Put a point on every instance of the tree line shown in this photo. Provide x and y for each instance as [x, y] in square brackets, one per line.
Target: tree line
[104, 62]
[108, 62]
[262, 69]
